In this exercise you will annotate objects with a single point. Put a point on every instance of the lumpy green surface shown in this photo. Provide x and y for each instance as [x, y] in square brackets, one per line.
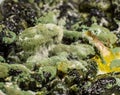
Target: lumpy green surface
[59, 47]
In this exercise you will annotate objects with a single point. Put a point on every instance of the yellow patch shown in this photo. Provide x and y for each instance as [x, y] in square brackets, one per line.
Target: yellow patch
[104, 66]
[107, 55]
